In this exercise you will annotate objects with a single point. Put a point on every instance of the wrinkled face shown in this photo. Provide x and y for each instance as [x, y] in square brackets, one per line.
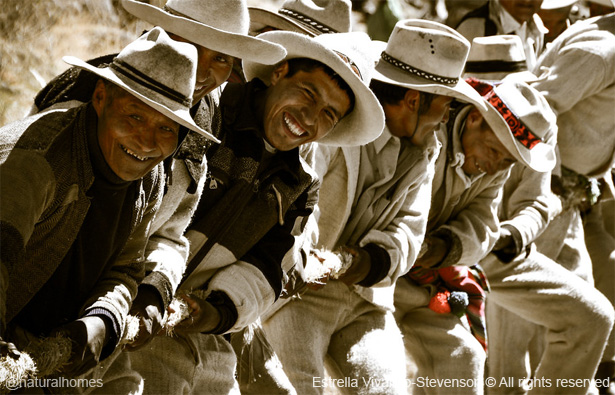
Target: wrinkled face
[521, 10]
[302, 108]
[484, 153]
[133, 136]
[212, 70]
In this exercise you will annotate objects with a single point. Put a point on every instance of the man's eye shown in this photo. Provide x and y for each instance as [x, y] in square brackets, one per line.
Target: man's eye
[309, 93]
[167, 129]
[137, 117]
[331, 116]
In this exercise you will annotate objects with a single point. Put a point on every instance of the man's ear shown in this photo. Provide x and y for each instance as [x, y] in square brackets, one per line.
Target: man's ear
[279, 72]
[99, 96]
[474, 117]
[412, 100]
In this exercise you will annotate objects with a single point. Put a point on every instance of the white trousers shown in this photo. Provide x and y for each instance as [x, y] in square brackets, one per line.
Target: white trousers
[440, 345]
[576, 318]
[360, 341]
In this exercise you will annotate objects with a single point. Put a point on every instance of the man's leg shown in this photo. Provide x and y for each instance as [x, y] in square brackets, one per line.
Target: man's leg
[576, 316]
[195, 364]
[300, 332]
[443, 348]
[370, 350]
[511, 339]
[599, 227]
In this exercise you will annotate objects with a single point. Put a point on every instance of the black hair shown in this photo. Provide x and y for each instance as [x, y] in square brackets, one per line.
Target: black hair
[309, 65]
[393, 94]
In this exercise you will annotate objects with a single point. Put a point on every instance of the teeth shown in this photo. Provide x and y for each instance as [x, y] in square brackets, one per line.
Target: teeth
[134, 155]
[478, 167]
[293, 128]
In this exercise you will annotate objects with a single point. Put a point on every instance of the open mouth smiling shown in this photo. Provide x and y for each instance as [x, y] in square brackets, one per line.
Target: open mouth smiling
[294, 128]
[133, 154]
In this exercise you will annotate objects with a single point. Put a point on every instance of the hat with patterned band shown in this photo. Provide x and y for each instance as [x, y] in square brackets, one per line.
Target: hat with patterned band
[522, 120]
[220, 25]
[313, 17]
[158, 71]
[492, 58]
[346, 55]
[426, 56]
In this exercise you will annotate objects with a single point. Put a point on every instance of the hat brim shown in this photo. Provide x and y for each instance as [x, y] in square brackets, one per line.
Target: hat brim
[496, 77]
[237, 45]
[179, 115]
[540, 158]
[386, 72]
[366, 121]
[260, 18]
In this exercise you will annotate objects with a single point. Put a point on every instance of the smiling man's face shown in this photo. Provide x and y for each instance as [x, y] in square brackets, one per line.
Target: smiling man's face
[302, 108]
[213, 69]
[133, 137]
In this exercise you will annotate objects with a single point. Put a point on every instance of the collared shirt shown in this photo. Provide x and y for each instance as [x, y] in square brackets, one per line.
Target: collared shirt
[531, 32]
[531, 36]
[383, 164]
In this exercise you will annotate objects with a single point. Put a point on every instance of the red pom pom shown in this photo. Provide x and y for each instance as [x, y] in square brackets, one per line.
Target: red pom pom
[439, 302]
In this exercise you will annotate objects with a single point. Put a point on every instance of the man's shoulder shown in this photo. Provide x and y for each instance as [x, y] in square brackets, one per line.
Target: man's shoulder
[37, 132]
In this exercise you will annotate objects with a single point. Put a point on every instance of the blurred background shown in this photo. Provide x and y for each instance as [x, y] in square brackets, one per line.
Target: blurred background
[35, 34]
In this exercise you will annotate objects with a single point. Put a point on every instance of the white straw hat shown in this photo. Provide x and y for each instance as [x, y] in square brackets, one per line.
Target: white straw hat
[427, 56]
[219, 25]
[157, 70]
[313, 17]
[347, 54]
[492, 58]
[522, 120]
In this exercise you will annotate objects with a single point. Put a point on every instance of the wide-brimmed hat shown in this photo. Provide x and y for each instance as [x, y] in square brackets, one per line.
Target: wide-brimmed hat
[426, 56]
[157, 70]
[313, 17]
[522, 120]
[347, 55]
[219, 25]
[492, 58]
[556, 4]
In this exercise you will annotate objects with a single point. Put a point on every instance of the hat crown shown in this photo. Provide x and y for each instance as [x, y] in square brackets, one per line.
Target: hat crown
[351, 48]
[324, 16]
[228, 15]
[505, 48]
[155, 62]
[436, 49]
[529, 106]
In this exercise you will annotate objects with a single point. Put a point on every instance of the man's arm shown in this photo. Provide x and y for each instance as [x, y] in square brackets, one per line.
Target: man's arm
[113, 295]
[527, 206]
[393, 250]
[568, 65]
[471, 233]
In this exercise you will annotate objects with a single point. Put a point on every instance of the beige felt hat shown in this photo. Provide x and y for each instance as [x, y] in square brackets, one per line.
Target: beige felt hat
[159, 71]
[313, 17]
[555, 4]
[219, 25]
[347, 54]
[522, 120]
[494, 57]
[426, 56]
